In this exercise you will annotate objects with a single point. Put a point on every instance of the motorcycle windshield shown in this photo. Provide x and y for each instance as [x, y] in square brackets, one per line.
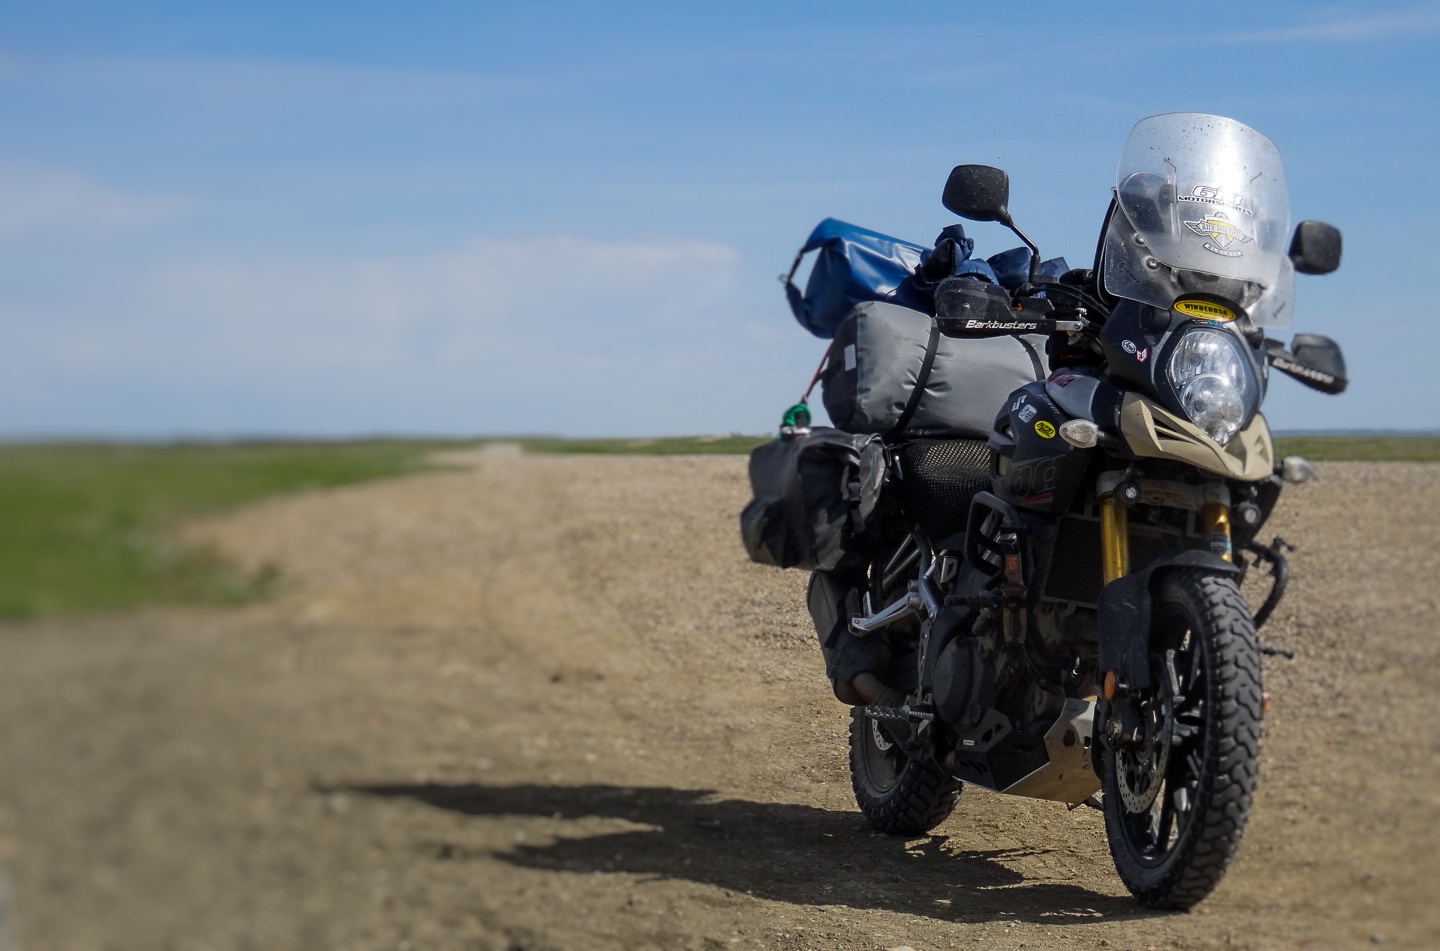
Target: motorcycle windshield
[1204, 209]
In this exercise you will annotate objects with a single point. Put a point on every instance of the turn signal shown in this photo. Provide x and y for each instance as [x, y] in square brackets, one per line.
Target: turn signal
[1110, 684]
[1080, 433]
[1293, 469]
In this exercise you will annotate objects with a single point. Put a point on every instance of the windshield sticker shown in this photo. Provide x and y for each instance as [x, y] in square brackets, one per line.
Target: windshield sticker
[1223, 233]
[1204, 310]
[1211, 195]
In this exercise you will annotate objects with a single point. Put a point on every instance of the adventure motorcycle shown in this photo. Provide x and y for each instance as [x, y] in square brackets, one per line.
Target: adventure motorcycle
[1060, 603]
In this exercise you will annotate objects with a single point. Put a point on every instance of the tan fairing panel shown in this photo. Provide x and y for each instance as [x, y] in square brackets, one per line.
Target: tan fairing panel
[1156, 433]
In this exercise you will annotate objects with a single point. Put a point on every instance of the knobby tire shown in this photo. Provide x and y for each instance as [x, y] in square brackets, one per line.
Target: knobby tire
[912, 798]
[1228, 747]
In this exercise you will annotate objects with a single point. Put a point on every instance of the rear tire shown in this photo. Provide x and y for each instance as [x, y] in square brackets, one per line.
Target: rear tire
[1176, 805]
[899, 794]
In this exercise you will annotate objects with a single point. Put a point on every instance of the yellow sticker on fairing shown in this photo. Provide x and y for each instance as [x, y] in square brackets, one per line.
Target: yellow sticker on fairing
[1204, 310]
[1045, 429]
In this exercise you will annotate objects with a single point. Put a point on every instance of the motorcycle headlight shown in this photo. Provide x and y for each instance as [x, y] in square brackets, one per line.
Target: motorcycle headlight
[1213, 379]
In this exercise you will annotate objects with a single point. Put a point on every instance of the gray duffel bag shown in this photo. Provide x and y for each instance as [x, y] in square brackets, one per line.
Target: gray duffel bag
[891, 372]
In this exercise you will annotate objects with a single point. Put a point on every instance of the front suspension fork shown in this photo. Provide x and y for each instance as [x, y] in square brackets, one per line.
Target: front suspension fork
[1215, 525]
[1115, 490]
[1115, 532]
[1114, 538]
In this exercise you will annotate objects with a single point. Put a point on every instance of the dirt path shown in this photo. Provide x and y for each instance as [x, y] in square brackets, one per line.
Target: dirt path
[544, 703]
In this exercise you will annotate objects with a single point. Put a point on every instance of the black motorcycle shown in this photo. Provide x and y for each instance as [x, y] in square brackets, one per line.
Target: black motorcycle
[1055, 611]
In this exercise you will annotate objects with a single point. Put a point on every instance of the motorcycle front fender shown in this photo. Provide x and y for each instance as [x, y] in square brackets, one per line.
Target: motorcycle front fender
[1124, 614]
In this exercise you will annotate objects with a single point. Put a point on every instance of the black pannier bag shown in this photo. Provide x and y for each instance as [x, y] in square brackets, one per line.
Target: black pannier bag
[814, 500]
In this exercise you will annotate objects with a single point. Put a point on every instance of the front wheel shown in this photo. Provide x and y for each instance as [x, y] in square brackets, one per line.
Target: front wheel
[899, 794]
[1180, 777]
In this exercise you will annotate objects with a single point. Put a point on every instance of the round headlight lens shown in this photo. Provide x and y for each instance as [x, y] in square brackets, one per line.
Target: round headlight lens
[1212, 378]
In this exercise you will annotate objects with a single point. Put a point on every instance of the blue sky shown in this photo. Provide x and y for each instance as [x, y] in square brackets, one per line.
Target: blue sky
[459, 218]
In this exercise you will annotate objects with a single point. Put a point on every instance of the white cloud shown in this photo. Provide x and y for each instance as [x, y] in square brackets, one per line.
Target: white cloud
[479, 300]
[497, 335]
[1377, 26]
[50, 202]
[224, 83]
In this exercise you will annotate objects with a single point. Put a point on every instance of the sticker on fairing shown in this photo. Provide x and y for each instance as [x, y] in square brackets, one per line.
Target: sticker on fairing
[1045, 429]
[1028, 413]
[1204, 310]
[1135, 350]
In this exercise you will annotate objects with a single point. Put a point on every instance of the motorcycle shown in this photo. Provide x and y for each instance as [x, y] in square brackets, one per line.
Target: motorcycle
[1061, 602]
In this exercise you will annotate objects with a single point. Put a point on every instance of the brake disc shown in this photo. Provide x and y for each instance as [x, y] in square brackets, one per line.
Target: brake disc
[1140, 781]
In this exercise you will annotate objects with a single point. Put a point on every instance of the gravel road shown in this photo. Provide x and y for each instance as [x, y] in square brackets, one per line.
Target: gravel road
[545, 703]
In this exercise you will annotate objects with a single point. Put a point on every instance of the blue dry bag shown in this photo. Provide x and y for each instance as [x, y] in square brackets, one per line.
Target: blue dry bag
[853, 265]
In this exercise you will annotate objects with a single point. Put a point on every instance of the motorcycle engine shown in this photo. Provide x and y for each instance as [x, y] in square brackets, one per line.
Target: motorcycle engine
[977, 670]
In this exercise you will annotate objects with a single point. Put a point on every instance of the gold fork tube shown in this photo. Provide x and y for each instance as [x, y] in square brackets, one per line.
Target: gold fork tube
[1114, 538]
[1215, 523]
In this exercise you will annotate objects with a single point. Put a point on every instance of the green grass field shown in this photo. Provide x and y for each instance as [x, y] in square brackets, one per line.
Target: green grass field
[1361, 448]
[85, 527]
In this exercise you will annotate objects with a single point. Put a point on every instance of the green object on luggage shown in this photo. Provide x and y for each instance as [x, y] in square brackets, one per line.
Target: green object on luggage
[796, 418]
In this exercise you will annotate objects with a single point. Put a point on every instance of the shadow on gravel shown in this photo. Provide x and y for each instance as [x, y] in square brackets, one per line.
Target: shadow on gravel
[791, 853]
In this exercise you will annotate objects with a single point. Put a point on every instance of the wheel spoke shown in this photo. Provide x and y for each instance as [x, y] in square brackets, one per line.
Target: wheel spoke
[1175, 690]
[1194, 651]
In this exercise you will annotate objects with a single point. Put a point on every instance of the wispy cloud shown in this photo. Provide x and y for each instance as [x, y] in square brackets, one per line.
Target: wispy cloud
[1357, 29]
[39, 202]
[551, 332]
[483, 300]
[230, 80]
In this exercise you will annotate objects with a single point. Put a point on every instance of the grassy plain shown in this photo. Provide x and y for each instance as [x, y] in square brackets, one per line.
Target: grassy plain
[1387, 448]
[85, 527]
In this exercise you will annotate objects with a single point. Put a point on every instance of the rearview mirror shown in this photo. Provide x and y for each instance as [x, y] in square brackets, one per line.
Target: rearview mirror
[978, 192]
[1314, 360]
[1315, 249]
